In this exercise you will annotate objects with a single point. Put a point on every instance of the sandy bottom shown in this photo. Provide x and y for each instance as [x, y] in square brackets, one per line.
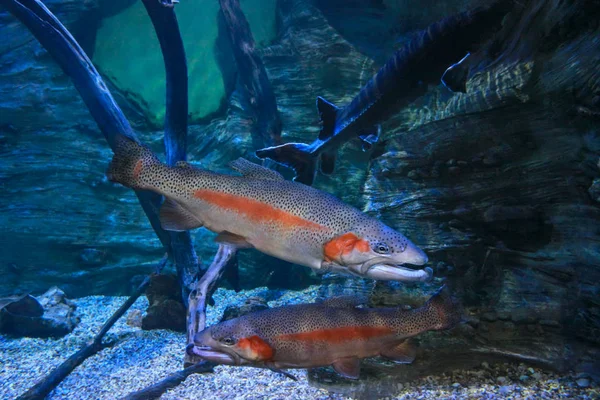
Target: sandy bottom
[141, 358]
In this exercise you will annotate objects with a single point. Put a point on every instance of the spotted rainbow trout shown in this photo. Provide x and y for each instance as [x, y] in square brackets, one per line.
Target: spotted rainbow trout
[402, 80]
[335, 332]
[261, 210]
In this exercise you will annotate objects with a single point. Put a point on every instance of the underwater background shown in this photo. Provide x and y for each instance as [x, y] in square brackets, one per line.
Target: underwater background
[500, 186]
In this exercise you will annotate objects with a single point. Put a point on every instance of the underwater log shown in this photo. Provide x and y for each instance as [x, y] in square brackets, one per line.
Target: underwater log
[196, 320]
[57, 40]
[175, 138]
[43, 388]
[171, 381]
[253, 74]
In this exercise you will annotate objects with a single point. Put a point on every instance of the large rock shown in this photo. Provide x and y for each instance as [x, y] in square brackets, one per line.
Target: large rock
[49, 315]
[165, 309]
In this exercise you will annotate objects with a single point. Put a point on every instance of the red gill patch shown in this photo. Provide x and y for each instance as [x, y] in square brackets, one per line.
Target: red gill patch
[256, 348]
[343, 245]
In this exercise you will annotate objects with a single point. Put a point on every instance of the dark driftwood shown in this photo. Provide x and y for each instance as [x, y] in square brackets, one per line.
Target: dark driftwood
[43, 388]
[253, 74]
[196, 321]
[157, 390]
[57, 40]
[196, 318]
[167, 31]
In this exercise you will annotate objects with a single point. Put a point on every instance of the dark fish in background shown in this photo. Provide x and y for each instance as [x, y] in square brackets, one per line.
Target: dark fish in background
[455, 77]
[402, 79]
[335, 332]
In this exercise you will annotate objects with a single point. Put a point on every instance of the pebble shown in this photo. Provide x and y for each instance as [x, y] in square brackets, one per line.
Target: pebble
[583, 382]
[524, 378]
[501, 379]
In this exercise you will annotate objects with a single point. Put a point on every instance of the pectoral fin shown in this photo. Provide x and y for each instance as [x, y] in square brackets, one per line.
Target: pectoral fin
[173, 217]
[403, 353]
[348, 367]
[235, 240]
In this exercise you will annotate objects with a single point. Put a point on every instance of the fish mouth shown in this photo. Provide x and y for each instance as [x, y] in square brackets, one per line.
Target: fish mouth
[390, 272]
[381, 269]
[210, 354]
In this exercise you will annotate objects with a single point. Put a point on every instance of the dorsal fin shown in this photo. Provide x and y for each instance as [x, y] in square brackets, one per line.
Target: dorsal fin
[251, 170]
[342, 302]
[183, 164]
[328, 113]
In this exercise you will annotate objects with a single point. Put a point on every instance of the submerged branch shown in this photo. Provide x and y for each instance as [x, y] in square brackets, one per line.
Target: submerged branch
[171, 381]
[65, 50]
[175, 139]
[253, 74]
[43, 388]
[196, 319]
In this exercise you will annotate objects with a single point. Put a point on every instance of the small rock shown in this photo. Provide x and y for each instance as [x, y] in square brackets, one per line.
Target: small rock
[530, 370]
[524, 378]
[594, 190]
[26, 306]
[501, 380]
[485, 365]
[537, 376]
[456, 385]
[504, 390]
[583, 382]
[134, 318]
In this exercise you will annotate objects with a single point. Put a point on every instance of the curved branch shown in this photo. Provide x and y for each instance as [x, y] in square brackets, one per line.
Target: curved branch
[57, 40]
[167, 31]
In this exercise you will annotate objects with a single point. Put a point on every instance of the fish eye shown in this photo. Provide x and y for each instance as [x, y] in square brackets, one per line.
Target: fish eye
[227, 341]
[381, 248]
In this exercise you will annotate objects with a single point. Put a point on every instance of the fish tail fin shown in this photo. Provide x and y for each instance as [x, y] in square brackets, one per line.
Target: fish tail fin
[297, 156]
[446, 310]
[128, 162]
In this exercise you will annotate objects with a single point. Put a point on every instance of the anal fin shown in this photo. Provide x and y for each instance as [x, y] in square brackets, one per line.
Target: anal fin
[235, 240]
[173, 217]
[402, 353]
[347, 367]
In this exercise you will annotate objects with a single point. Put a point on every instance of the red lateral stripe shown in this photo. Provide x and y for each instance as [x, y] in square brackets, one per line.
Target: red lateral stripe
[255, 210]
[339, 335]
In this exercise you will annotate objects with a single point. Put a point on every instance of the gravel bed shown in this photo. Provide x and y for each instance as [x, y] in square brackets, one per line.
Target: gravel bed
[143, 357]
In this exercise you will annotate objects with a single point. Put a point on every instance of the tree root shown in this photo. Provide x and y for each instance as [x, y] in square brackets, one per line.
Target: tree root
[196, 319]
[171, 381]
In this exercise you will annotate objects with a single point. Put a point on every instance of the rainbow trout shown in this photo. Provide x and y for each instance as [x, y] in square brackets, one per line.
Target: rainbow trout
[335, 332]
[261, 210]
